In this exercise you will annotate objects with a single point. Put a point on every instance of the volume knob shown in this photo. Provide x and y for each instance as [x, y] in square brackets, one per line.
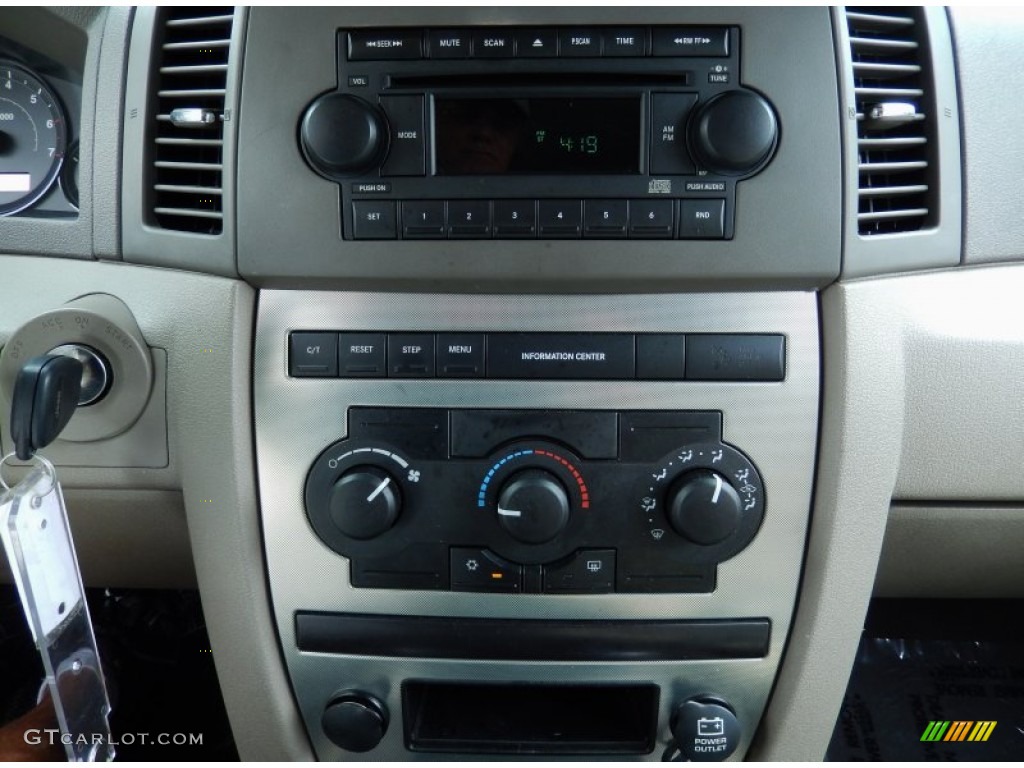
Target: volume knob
[734, 134]
[343, 135]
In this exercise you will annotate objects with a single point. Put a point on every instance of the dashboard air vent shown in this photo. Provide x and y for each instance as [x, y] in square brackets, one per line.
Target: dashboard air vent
[191, 87]
[895, 120]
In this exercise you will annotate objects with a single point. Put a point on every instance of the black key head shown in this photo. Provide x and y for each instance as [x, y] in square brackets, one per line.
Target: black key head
[45, 397]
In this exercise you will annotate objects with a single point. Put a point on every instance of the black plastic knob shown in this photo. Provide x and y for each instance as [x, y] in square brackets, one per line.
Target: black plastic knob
[703, 507]
[533, 506]
[355, 721]
[705, 729]
[364, 502]
[343, 135]
[734, 133]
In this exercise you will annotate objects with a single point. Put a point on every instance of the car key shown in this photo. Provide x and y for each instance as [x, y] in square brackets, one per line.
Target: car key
[45, 397]
[34, 533]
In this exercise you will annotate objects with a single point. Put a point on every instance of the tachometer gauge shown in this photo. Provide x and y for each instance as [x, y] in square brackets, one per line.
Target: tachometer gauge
[33, 137]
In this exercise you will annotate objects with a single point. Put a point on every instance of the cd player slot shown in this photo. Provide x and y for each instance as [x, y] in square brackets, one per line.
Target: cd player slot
[544, 80]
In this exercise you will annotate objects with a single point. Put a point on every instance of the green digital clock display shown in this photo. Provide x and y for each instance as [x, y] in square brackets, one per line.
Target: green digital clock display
[537, 135]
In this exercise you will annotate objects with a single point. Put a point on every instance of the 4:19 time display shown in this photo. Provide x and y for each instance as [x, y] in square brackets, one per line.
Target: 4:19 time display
[586, 145]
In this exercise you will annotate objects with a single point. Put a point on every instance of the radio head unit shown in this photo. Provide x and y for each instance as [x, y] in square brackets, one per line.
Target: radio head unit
[473, 133]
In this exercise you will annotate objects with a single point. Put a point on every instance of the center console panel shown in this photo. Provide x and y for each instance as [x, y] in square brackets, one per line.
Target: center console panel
[602, 560]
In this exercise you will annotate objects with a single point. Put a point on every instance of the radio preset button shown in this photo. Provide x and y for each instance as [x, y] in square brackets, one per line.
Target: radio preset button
[449, 44]
[469, 218]
[493, 44]
[627, 41]
[411, 355]
[560, 218]
[405, 118]
[373, 220]
[536, 43]
[515, 218]
[579, 42]
[651, 218]
[384, 45]
[668, 133]
[605, 218]
[362, 355]
[423, 219]
[690, 41]
[702, 219]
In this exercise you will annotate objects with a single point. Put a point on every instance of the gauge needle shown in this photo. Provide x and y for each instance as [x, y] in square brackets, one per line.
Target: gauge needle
[378, 489]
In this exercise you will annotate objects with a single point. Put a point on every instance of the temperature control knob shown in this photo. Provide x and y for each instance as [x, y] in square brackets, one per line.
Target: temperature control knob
[703, 507]
[364, 502]
[735, 133]
[343, 135]
[533, 506]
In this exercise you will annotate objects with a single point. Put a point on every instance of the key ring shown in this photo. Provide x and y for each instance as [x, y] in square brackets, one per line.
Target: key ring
[45, 463]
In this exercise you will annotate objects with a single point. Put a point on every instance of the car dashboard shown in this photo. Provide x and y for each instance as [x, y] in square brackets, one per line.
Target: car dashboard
[525, 382]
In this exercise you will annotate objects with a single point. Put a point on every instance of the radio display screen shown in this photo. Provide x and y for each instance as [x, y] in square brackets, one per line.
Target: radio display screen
[537, 135]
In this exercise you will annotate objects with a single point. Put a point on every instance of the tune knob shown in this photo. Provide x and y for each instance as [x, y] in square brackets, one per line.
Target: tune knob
[355, 721]
[703, 507]
[364, 502]
[533, 506]
[343, 135]
[734, 133]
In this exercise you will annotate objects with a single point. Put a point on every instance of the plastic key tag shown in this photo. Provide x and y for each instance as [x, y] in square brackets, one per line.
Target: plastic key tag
[35, 534]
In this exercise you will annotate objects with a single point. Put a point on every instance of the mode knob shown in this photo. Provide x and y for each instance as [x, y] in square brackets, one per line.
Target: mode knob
[343, 135]
[364, 502]
[355, 721]
[705, 729]
[703, 507]
[734, 133]
[533, 506]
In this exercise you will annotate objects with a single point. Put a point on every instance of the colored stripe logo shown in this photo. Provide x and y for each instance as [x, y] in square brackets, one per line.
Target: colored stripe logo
[958, 730]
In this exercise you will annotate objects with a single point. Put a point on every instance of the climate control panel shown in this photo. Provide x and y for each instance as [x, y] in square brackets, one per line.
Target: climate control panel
[534, 501]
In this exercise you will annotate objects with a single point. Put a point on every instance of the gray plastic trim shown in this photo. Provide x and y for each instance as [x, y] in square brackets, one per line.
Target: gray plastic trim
[935, 247]
[990, 59]
[775, 424]
[146, 243]
[952, 550]
[787, 227]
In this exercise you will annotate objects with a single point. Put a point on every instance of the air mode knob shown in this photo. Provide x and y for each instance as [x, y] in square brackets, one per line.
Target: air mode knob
[355, 721]
[364, 502]
[734, 133]
[703, 507]
[533, 506]
[343, 135]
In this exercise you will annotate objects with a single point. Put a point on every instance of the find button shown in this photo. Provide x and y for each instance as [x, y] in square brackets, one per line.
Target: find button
[706, 729]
